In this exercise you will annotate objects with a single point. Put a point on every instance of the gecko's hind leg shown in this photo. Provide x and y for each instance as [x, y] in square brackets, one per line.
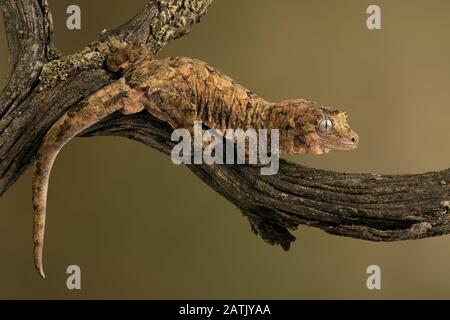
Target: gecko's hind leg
[99, 105]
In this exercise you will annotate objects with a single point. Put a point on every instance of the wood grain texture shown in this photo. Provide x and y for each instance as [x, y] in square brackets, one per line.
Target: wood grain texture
[363, 206]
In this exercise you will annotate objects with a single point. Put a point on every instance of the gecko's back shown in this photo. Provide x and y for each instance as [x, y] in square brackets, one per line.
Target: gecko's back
[188, 90]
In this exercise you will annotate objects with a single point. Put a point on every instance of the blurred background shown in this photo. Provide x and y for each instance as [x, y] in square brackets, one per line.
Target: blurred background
[142, 228]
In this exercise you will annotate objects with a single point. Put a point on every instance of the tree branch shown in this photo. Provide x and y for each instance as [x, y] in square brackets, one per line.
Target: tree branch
[160, 22]
[365, 206]
[29, 31]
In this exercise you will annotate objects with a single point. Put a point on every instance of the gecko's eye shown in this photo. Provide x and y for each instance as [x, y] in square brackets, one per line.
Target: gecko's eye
[325, 126]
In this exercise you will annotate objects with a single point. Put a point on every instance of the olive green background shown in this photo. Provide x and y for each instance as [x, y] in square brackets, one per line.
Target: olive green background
[141, 227]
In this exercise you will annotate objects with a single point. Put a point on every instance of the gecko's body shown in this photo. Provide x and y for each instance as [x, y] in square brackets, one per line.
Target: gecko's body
[180, 91]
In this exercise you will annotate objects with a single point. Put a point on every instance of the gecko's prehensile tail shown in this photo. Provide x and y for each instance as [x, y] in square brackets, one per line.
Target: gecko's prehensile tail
[101, 104]
[41, 176]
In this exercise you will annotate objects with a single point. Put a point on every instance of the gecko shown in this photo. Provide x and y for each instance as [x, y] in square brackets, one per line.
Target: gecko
[180, 91]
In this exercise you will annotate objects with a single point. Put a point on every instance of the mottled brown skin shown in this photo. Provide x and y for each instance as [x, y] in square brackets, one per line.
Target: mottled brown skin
[180, 91]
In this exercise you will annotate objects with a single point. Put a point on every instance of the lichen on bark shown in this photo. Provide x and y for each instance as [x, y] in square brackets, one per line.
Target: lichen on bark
[60, 70]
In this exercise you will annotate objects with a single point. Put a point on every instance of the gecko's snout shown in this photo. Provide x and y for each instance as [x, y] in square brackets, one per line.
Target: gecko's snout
[348, 142]
[340, 138]
[354, 138]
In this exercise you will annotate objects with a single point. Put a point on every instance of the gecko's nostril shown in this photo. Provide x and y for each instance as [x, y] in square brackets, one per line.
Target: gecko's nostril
[355, 139]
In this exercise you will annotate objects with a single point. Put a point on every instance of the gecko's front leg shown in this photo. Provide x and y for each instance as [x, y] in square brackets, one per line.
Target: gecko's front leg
[117, 96]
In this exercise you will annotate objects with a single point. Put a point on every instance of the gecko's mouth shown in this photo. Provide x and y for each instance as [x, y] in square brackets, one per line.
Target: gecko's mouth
[347, 144]
[321, 144]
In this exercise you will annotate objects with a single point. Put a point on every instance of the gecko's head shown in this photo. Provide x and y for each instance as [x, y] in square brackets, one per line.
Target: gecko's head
[307, 127]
